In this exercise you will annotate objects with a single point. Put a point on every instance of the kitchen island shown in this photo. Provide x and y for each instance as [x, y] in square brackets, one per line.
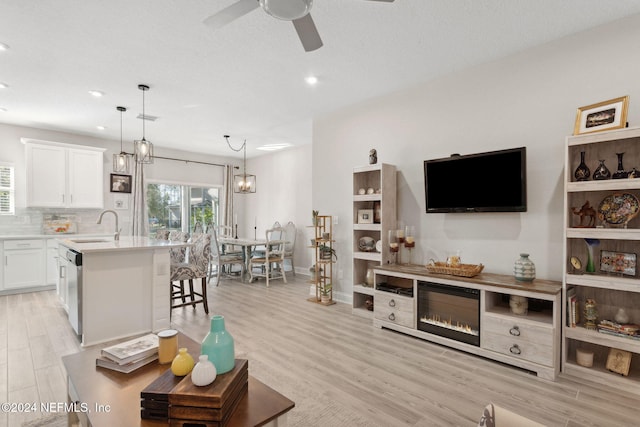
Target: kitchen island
[123, 286]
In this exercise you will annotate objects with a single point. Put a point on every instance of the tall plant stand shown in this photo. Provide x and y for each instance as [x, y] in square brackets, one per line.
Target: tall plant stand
[324, 256]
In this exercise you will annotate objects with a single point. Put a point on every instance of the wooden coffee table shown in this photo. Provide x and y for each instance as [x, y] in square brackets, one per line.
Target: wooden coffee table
[108, 398]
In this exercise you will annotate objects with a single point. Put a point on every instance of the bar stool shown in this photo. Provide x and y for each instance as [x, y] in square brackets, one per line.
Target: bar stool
[195, 267]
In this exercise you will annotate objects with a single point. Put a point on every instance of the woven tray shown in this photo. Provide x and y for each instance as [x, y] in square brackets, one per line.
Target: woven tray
[465, 270]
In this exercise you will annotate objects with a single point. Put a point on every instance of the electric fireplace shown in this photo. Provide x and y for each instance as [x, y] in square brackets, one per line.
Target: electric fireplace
[449, 311]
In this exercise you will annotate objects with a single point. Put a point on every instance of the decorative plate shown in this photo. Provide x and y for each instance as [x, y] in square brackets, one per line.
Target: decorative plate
[379, 246]
[619, 208]
[576, 263]
[367, 244]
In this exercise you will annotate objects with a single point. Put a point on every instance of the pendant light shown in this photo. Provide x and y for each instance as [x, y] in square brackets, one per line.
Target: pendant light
[121, 161]
[143, 149]
[243, 183]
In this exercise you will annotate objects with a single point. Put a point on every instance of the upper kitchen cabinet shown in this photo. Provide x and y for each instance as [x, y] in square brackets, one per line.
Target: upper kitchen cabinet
[63, 175]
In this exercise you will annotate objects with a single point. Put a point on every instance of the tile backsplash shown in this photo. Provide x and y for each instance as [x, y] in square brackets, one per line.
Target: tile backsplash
[29, 221]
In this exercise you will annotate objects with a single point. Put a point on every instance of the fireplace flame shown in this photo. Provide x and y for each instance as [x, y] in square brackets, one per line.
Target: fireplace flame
[437, 320]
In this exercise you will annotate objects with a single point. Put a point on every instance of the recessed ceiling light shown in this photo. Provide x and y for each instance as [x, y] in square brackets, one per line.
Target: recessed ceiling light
[311, 80]
[3, 85]
[3, 47]
[100, 127]
[96, 93]
[273, 147]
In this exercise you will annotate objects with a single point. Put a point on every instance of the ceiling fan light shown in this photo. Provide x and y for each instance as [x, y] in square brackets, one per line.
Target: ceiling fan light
[287, 10]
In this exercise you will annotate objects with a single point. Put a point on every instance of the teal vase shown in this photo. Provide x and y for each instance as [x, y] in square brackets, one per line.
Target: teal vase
[218, 345]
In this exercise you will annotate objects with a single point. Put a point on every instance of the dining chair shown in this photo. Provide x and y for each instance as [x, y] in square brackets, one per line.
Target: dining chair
[221, 261]
[196, 266]
[290, 242]
[259, 251]
[271, 265]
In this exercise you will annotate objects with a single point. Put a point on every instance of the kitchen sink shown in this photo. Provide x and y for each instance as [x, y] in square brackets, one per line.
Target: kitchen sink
[89, 240]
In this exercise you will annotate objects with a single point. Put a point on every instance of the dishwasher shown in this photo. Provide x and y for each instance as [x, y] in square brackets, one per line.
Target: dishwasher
[74, 289]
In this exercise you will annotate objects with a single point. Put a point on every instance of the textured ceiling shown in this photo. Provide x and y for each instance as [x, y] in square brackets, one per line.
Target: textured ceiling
[247, 79]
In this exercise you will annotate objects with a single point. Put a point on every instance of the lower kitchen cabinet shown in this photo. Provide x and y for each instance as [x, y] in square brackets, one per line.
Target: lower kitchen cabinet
[24, 263]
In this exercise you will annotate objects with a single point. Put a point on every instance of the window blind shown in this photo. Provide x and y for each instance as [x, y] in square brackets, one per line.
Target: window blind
[7, 192]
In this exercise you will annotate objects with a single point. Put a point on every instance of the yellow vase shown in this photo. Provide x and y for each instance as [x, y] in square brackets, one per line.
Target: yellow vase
[182, 364]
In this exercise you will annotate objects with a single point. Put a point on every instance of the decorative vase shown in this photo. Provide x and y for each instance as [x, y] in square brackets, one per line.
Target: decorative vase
[620, 173]
[218, 345]
[204, 373]
[182, 364]
[591, 244]
[369, 278]
[590, 313]
[601, 172]
[524, 269]
[621, 316]
[582, 172]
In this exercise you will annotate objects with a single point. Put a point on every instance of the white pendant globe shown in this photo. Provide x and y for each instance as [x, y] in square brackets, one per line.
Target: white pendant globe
[287, 10]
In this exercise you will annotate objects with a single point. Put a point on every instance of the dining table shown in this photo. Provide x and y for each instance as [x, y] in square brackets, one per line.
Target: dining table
[247, 246]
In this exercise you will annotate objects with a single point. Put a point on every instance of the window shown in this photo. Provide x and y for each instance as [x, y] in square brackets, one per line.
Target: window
[179, 207]
[7, 189]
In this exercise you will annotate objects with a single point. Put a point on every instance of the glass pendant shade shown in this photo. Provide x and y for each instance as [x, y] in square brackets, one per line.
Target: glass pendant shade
[121, 163]
[244, 183]
[286, 10]
[143, 150]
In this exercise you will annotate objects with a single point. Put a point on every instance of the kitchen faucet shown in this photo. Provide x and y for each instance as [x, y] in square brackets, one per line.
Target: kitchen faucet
[116, 235]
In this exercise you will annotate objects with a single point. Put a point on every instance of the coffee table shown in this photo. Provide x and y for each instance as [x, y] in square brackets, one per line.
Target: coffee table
[108, 398]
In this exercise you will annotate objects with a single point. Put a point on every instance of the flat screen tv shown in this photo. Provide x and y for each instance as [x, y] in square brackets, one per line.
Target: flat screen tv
[494, 181]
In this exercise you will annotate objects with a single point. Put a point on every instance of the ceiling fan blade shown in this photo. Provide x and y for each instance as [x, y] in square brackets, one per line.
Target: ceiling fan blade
[386, 1]
[308, 33]
[230, 13]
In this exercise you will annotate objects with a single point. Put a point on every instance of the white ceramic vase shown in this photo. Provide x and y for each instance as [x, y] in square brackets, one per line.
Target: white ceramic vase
[204, 373]
[524, 269]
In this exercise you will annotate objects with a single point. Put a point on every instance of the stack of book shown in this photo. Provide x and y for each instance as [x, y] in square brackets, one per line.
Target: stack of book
[129, 355]
[610, 327]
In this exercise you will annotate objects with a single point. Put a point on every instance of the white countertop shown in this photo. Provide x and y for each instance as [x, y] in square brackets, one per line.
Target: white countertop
[126, 243]
[52, 236]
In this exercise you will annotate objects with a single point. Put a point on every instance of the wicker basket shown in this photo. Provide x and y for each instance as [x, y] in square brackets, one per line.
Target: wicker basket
[465, 270]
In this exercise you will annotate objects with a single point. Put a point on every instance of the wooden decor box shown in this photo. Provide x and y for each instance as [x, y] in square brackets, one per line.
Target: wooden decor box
[177, 400]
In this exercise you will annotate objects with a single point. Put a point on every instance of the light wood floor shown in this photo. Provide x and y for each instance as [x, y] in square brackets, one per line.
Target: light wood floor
[338, 369]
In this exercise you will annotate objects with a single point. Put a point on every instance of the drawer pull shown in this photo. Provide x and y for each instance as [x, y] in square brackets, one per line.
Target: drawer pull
[392, 303]
[515, 331]
[515, 349]
[392, 317]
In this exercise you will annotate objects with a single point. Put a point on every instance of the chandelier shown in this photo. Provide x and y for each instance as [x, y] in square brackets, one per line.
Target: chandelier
[242, 183]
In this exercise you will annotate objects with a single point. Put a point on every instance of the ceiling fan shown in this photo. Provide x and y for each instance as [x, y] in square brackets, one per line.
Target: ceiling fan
[296, 11]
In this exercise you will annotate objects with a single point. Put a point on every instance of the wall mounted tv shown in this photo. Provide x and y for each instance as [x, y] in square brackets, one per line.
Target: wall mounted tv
[494, 181]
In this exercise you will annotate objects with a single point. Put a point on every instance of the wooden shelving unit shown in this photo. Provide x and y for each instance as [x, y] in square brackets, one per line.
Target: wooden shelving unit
[323, 240]
[379, 184]
[610, 291]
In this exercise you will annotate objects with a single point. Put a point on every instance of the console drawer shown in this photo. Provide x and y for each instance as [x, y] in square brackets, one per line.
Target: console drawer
[394, 308]
[532, 352]
[518, 331]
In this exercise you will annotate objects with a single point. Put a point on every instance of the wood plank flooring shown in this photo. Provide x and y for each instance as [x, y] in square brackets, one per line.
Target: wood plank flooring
[337, 367]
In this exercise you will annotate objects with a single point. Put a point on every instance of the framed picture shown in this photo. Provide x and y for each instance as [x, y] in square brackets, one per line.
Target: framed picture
[618, 262]
[619, 361]
[604, 115]
[120, 183]
[365, 216]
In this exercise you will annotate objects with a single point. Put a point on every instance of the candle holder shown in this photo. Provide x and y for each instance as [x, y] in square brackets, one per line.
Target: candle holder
[409, 239]
[394, 246]
[400, 239]
[236, 231]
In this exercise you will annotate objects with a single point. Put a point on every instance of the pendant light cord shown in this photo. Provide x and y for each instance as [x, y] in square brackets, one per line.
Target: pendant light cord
[122, 110]
[242, 147]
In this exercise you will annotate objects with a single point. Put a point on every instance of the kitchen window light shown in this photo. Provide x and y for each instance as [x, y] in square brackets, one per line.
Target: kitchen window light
[7, 189]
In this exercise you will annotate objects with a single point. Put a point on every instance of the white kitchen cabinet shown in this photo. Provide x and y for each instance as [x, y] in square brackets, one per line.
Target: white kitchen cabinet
[64, 175]
[52, 262]
[24, 262]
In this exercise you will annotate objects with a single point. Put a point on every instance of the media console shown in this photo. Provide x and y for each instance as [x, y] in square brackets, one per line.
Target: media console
[477, 315]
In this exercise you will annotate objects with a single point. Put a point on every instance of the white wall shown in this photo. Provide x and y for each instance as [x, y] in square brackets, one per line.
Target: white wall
[283, 194]
[528, 99]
